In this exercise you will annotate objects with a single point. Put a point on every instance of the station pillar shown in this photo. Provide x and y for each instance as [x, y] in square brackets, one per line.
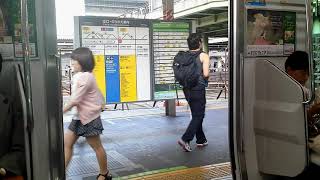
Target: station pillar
[205, 43]
[168, 14]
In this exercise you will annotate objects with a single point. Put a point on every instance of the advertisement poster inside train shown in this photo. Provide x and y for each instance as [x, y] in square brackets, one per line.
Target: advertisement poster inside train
[125, 46]
[270, 33]
[168, 39]
[256, 2]
[10, 29]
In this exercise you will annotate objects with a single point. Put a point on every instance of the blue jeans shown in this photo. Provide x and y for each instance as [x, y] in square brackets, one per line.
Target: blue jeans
[197, 101]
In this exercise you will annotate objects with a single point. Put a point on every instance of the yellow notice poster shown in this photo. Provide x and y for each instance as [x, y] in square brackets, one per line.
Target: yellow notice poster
[128, 78]
[100, 73]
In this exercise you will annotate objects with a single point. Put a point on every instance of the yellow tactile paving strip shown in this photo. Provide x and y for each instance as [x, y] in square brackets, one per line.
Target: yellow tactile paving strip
[198, 173]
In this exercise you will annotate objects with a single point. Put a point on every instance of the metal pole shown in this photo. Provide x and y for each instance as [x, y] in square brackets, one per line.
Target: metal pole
[309, 48]
[225, 72]
[27, 71]
[70, 80]
[236, 114]
[26, 58]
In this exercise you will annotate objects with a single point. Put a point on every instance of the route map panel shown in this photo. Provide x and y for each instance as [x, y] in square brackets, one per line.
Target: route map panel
[122, 55]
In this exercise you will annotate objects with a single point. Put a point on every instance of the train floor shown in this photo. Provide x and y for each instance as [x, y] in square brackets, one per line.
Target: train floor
[145, 147]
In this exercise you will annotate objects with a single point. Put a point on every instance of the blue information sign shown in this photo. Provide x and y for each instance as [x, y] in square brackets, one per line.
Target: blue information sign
[112, 79]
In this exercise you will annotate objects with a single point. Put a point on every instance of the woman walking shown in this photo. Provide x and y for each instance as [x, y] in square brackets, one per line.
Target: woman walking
[87, 99]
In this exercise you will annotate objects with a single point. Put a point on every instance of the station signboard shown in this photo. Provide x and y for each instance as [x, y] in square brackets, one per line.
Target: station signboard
[168, 39]
[122, 55]
[133, 57]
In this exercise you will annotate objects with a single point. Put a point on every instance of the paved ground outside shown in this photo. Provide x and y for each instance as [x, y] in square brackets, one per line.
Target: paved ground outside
[143, 139]
[130, 110]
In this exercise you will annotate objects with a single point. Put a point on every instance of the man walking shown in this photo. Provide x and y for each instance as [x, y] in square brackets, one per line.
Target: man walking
[196, 96]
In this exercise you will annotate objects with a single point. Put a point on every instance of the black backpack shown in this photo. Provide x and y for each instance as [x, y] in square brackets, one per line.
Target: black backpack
[185, 69]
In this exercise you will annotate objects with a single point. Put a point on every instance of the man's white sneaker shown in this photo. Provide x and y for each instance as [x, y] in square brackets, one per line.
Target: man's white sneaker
[185, 145]
[202, 144]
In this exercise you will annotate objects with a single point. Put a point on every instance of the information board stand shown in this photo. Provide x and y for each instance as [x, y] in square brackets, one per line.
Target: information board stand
[122, 104]
[133, 57]
[170, 107]
[121, 49]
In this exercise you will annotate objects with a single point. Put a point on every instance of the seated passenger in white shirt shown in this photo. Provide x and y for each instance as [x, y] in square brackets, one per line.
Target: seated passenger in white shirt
[297, 66]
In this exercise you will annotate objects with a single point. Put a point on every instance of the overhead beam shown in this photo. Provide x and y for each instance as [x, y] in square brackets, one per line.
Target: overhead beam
[120, 1]
[205, 14]
[190, 18]
[112, 6]
[222, 8]
[201, 8]
[214, 19]
[215, 31]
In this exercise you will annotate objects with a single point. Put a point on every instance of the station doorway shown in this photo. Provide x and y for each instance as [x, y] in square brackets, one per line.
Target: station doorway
[139, 138]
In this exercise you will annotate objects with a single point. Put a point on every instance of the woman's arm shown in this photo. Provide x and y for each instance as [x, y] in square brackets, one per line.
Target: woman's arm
[68, 107]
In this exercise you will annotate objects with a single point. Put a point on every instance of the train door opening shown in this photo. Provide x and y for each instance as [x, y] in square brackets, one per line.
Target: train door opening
[256, 146]
[134, 118]
[28, 45]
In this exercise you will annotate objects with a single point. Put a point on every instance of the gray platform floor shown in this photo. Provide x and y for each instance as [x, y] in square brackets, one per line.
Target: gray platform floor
[136, 143]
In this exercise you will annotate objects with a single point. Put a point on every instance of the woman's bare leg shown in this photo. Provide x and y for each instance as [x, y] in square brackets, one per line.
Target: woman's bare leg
[95, 143]
[69, 139]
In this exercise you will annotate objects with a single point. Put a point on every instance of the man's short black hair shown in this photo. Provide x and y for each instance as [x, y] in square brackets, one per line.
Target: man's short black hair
[85, 58]
[298, 60]
[194, 41]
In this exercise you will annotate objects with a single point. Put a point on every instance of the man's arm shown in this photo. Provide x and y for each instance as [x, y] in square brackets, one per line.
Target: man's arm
[205, 64]
[313, 110]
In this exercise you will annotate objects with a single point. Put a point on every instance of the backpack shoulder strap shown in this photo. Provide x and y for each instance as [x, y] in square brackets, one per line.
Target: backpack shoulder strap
[195, 53]
[199, 52]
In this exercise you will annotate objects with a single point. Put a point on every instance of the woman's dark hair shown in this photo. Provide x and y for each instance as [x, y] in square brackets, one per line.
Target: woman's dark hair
[85, 58]
[298, 60]
[194, 41]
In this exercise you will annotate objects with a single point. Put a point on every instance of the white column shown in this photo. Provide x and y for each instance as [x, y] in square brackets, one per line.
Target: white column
[65, 12]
